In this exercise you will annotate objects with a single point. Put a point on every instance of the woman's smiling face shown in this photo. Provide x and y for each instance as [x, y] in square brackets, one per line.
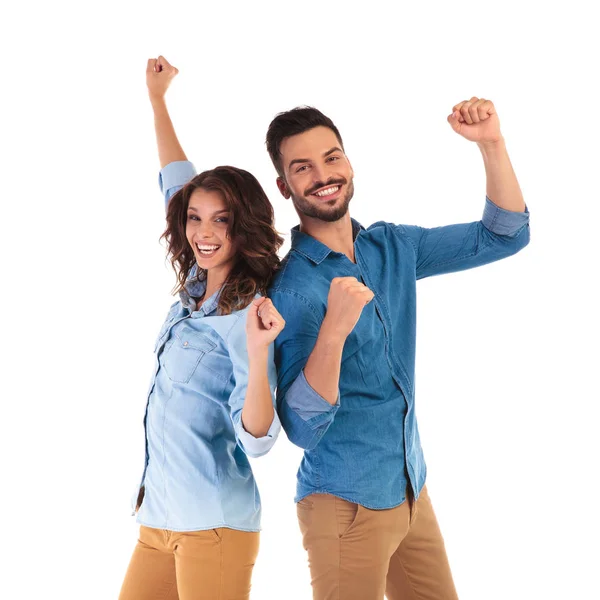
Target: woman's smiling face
[207, 224]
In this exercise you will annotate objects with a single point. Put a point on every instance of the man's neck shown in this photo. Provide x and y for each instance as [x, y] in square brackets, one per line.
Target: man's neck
[337, 236]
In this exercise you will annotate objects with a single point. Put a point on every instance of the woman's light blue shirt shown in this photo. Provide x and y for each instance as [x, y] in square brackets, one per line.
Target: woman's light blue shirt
[197, 474]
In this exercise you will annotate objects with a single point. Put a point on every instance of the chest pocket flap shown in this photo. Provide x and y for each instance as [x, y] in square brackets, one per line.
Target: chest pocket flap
[184, 353]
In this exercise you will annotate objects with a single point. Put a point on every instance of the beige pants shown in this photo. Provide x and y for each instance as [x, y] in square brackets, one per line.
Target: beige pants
[355, 553]
[194, 565]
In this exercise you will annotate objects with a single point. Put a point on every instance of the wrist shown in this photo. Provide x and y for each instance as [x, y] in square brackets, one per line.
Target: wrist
[492, 146]
[157, 99]
[258, 355]
[331, 336]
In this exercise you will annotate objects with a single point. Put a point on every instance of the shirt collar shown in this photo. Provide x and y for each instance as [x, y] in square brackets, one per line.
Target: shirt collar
[314, 250]
[195, 288]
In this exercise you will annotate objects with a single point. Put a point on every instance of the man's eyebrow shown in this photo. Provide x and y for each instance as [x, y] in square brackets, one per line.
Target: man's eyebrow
[305, 160]
[334, 149]
[298, 160]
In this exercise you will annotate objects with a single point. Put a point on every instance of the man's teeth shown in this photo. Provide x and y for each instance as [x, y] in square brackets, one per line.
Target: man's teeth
[328, 191]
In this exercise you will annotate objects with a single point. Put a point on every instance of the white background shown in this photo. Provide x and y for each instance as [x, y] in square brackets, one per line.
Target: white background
[507, 364]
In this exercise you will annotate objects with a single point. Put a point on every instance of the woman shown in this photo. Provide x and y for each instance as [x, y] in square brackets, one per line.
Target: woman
[210, 403]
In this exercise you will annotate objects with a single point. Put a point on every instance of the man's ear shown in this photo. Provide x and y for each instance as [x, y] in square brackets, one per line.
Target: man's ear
[283, 188]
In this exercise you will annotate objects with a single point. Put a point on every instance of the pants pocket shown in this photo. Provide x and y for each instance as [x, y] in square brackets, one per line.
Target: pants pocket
[347, 514]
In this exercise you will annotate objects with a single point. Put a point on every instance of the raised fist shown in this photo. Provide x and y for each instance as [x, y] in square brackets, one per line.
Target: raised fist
[346, 300]
[263, 324]
[159, 74]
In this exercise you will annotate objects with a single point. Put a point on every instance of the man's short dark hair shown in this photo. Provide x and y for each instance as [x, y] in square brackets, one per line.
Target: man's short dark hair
[292, 122]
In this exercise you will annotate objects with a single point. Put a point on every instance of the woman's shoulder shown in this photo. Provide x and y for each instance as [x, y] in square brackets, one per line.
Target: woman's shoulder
[238, 318]
[242, 313]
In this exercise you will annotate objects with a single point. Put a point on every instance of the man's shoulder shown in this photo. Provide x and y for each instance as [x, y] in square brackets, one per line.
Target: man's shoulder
[292, 273]
[384, 227]
[298, 285]
[386, 230]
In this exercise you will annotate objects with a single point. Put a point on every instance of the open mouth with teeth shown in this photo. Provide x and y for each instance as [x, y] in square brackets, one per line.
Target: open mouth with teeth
[207, 250]
[329, 193]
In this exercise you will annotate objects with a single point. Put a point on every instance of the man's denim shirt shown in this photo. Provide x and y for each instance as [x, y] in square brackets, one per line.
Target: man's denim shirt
[197, 475]
[364, 447]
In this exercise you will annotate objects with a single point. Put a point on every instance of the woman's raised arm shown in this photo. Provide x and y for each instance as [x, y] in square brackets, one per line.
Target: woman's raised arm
[159, 75]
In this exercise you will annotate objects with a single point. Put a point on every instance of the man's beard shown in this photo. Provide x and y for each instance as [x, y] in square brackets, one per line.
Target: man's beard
[327, 211]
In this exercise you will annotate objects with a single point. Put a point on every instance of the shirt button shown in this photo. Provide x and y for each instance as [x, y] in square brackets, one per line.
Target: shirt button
[185, 343]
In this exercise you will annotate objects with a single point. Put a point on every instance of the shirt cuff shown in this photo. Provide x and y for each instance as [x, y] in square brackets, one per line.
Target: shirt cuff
[501, 221]
[307, 403]
[254, 446]
[175, 174]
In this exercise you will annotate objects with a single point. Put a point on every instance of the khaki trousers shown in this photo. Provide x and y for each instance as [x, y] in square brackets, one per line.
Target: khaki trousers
[355, 553]
[194, 565]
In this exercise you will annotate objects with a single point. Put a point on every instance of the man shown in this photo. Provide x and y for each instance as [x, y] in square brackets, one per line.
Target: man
[346, 357]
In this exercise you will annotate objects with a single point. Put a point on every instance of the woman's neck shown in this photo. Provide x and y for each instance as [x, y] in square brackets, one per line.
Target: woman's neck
[215, 278]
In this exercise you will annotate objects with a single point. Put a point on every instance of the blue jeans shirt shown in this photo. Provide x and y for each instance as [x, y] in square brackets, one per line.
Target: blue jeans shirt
[366, 447]
[197, 475]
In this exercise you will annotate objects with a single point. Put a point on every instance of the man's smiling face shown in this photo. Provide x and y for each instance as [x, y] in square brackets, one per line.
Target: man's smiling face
[317, 174]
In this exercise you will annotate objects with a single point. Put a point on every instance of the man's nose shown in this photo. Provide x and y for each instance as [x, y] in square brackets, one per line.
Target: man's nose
[319, 174]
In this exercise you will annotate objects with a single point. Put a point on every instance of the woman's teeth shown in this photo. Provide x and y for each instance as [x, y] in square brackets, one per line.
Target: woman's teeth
[207, 250]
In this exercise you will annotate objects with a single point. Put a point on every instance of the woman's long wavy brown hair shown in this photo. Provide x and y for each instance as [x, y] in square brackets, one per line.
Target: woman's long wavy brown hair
[251, 229]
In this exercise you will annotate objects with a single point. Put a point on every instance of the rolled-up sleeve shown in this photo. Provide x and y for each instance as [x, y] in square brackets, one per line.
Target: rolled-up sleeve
[305, 415]
[238, 354]
[309, 405]
[501, 221]
[438, 250]
[174, 176]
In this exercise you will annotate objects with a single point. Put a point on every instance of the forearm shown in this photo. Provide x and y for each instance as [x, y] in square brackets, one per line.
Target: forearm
[502, 187]
[169, 148]
[322, 370]
[257, 414]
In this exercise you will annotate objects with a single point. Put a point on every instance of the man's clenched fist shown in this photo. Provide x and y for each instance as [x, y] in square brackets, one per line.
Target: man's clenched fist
[476, 120]
[346, 300]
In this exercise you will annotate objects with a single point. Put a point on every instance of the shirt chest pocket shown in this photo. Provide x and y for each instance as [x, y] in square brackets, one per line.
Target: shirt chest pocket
[184, 353]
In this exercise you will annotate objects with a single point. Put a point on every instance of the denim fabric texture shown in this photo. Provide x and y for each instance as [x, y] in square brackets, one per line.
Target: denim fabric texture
[366, 447]
[197, 474]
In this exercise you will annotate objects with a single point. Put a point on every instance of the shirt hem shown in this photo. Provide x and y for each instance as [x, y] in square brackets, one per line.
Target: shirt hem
[354, 500]
[199, 528]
